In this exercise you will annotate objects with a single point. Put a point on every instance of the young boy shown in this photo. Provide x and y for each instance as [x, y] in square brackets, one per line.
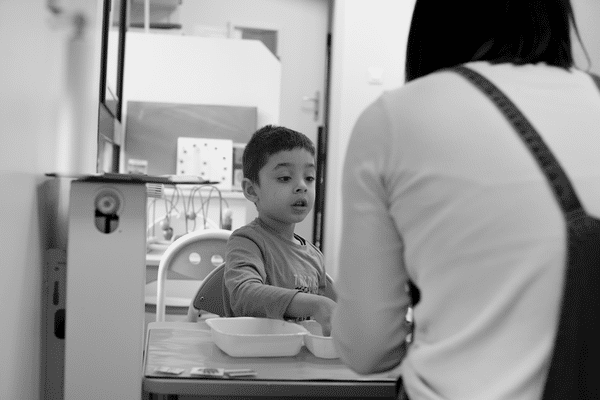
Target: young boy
[271, 271]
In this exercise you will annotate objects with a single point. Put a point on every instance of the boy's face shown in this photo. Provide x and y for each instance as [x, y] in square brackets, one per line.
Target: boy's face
[286, 189]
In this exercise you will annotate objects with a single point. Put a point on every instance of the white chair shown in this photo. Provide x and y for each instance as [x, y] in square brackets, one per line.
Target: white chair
[209, 297]
[193, 255]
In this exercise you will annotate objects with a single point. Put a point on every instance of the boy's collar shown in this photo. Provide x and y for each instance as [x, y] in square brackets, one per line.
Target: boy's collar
[277, 232]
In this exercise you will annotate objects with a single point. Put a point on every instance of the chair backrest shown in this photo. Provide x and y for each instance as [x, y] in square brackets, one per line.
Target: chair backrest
[194, 255]
[209, 297]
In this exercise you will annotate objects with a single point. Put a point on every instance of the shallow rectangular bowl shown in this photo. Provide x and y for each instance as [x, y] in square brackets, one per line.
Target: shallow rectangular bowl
[257, 337]
[321, 346]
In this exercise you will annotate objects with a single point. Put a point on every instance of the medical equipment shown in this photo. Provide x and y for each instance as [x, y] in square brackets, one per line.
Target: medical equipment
[180, 209]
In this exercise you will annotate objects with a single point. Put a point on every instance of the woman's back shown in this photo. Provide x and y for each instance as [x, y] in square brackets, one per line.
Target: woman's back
[483, 236]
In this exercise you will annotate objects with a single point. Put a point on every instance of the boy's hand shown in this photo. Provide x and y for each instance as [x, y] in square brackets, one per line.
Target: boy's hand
[324, 313]
[316, 306]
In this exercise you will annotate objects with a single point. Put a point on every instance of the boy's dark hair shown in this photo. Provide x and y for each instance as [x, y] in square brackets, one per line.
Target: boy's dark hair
[268, 140]
[498, 31]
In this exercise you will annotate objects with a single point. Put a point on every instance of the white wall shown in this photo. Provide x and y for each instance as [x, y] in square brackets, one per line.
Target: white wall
[587, 16]
[32, 105]
[197, 70]
[366, 34]
[288, 17]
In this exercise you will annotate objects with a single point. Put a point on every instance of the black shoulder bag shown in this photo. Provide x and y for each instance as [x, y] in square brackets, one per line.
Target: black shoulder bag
[572, 374]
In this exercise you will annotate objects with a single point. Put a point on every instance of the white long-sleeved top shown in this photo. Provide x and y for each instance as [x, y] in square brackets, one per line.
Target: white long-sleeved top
[438, 187]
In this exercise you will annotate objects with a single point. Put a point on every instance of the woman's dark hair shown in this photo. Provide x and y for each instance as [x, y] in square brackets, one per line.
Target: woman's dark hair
[447, 33]
[268, 140]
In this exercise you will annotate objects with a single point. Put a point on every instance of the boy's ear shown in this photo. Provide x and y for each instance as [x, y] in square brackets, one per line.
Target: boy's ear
[249, 189]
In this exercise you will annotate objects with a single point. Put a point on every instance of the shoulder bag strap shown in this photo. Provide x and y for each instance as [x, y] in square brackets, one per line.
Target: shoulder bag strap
[571, 374]
[561, 186]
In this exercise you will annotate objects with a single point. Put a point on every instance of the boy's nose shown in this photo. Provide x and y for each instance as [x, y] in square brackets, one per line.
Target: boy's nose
[301, 187]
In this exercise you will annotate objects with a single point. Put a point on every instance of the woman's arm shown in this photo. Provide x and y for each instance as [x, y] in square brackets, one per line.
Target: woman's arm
[368, 324]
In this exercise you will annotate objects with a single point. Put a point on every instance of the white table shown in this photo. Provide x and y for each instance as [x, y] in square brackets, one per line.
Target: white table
[187, 345]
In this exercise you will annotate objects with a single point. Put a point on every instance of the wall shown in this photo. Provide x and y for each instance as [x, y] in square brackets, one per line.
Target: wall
[289, 18]
[587, 16]
[164, 68]
[202, 71]
[366, 34]
[33, 120]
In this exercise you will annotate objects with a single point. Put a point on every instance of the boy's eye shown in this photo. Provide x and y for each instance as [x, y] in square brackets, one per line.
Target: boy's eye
[284, 178]
[310, 178]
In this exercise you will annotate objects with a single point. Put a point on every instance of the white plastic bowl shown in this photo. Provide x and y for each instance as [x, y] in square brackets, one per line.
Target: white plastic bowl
[321, 346]
[257, 337]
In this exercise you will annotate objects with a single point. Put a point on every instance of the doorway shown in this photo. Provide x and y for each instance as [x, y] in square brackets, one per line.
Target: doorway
[296, 31]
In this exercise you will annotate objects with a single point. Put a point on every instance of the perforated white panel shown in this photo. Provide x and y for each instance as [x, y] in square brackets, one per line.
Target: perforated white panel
[208, 158]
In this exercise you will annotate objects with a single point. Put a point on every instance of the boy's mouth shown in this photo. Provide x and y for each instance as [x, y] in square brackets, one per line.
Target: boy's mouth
[300, 203]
